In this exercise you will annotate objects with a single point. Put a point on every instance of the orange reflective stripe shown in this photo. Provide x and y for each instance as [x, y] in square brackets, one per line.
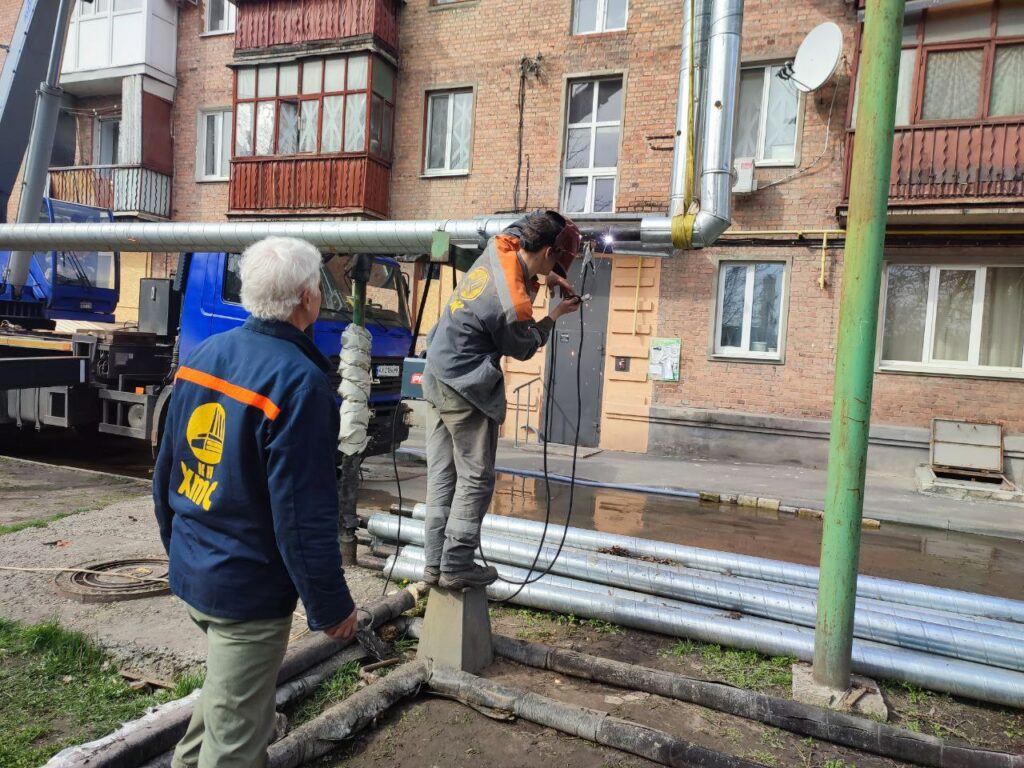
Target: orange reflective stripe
[508, 248]
[235, 392]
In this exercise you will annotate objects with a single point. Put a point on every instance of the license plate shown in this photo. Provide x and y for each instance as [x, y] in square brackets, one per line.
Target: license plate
[388, 370]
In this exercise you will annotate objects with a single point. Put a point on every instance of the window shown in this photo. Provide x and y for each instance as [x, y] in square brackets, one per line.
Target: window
[593, 128]
[769, 108]
[590, 16]
[108, 136]
[213, 145]
[231, 287]
[315, 106]
[449, 132]
[749, 311]
[219, 17]
[954, 318]
[966, 71]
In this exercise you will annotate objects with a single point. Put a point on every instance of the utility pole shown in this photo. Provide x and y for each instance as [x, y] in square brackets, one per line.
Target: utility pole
[855, 352]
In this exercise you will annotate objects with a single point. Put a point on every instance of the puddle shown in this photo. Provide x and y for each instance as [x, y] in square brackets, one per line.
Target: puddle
[927, 556]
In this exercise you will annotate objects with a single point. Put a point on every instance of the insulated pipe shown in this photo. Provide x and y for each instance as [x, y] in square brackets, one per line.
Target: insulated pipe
[731, 595]
[718, 120]
[377, 237]
[40, 147]
[937, 673]
[684, 149]
[974, 624]
[875, 587]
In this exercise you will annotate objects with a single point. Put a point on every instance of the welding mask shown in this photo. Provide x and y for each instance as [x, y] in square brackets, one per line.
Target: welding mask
[567, 247]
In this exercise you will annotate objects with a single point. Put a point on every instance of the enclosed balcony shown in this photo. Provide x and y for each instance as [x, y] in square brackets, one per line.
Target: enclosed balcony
[959, 138]
[130, 191]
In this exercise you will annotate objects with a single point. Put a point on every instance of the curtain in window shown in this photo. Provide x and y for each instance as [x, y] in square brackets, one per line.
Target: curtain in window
[288, 128]
[462, 122]
[748, 122]
[906, 306]
[952, 84]
[331, 140]
[1002, 332]
[780, 119]
[953, 310]
[355, 122]
[309, 123]
[1008, 82]
[764, 315]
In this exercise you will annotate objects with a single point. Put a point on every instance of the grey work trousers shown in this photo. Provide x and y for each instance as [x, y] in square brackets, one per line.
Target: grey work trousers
[461, 446]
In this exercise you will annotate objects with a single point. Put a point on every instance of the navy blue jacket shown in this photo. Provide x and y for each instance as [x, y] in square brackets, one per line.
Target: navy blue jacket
[244, 483]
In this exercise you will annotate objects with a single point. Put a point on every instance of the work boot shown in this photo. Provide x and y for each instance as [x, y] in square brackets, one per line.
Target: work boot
[347, 540]
[467, 578]
[431, 575]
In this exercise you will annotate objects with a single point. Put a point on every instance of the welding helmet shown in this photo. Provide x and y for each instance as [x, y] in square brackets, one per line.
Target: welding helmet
[567, 246]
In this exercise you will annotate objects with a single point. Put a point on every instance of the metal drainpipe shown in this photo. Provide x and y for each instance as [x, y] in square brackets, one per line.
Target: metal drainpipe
[40, 147]
[855, 353]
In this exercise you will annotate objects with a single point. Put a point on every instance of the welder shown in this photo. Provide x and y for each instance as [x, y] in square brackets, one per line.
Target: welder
[489, 316]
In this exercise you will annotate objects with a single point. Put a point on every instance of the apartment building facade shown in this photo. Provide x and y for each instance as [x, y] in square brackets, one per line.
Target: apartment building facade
[457, 108]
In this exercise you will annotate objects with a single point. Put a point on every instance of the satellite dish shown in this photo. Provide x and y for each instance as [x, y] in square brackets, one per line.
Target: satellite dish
[817, 58]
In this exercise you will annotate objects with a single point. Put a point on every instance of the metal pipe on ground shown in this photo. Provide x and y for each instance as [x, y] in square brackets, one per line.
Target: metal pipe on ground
[875, 587]
[729, 594]
[977, 624]
[581, 722]
[794, 716]
[148, 737]
[937, 673]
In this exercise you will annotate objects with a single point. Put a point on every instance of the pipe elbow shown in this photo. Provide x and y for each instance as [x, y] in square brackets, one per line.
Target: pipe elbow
[707, 228]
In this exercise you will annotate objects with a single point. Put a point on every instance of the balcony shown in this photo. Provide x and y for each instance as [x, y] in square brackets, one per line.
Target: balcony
[128, 190]
[965, 164]
[265, 23]
[310, 185]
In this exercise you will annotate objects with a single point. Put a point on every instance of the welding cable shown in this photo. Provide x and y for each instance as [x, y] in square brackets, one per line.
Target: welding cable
[531, 577]
[398, 485]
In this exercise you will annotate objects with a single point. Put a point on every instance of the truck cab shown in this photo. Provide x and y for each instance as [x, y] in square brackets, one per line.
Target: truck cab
[211, 303]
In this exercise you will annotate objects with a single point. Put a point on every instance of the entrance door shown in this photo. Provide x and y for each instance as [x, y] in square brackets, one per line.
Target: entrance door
[564, 349]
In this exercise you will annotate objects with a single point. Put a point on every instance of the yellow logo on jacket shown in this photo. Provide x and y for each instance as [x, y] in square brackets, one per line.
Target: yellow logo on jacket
[205, 435]
[470, 287]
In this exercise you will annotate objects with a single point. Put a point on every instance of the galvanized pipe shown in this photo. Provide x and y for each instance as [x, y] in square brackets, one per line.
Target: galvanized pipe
[730, 595]
[875, 587]
[960, 678]
[377, 237]
[975, 624]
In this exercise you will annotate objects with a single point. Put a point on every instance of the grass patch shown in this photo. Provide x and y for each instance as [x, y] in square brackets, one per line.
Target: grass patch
[763, 758]
[38, 523]
[744, 669]
[59, 688]
[337, 687]
[190, 681]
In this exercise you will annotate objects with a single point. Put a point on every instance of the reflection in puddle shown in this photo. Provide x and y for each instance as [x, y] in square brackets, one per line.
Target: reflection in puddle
[928, 556]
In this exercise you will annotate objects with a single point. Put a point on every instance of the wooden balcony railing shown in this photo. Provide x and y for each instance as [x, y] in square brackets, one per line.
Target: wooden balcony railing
[125, 189]
[265, 23]
[976, 161]
[310, 185]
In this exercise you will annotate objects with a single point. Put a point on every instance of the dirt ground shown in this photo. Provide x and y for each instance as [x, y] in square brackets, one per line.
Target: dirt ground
[154, 635]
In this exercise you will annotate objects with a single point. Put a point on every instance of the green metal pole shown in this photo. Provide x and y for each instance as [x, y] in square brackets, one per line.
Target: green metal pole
[855, 353]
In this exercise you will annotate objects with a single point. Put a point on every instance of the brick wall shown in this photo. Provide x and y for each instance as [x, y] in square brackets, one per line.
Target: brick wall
[204, 80]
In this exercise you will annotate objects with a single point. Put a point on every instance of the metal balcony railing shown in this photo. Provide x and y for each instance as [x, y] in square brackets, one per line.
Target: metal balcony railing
[128, 190]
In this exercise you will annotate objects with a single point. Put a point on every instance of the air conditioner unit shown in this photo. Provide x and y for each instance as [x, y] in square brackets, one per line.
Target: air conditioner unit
[745, 182]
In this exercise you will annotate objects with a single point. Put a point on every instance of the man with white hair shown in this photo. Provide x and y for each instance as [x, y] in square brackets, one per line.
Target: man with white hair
[244, 488]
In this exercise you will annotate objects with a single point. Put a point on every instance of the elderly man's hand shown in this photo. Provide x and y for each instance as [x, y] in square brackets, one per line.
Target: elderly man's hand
[346, 629]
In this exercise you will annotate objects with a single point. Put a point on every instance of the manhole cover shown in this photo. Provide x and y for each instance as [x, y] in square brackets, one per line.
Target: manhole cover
[113, 580]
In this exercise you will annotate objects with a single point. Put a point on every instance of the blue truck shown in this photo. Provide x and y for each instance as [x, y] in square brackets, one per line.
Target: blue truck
[117, 379]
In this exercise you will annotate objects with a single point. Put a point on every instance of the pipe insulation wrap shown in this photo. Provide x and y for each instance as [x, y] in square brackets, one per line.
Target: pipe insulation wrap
[960, 678]
[708, 589]
[354, 367]
[763, 569]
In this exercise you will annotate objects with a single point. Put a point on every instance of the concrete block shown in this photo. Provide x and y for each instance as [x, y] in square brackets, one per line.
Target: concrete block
[862, 698]
[810, 514]
[769, 504]
[746, 501]
[871, 523]
[457, 630]
[707, 496]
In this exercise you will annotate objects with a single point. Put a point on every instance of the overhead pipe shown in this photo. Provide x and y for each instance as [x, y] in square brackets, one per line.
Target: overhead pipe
[728, 594]
[875, 587]
[772, 638]
[976, 624]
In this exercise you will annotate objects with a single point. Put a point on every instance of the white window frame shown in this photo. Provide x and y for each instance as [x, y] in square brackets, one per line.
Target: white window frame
[590, 173]
[743, 351]
[602, 19]
[97, 138]
[448, 170]
[226, 114]
[929, 364]
[766, 82]
[230, 16]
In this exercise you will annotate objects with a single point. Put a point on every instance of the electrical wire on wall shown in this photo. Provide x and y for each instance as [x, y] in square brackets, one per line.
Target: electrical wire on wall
[527, 68]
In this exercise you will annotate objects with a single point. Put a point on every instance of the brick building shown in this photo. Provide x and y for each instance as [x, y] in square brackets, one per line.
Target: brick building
[458, 108]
